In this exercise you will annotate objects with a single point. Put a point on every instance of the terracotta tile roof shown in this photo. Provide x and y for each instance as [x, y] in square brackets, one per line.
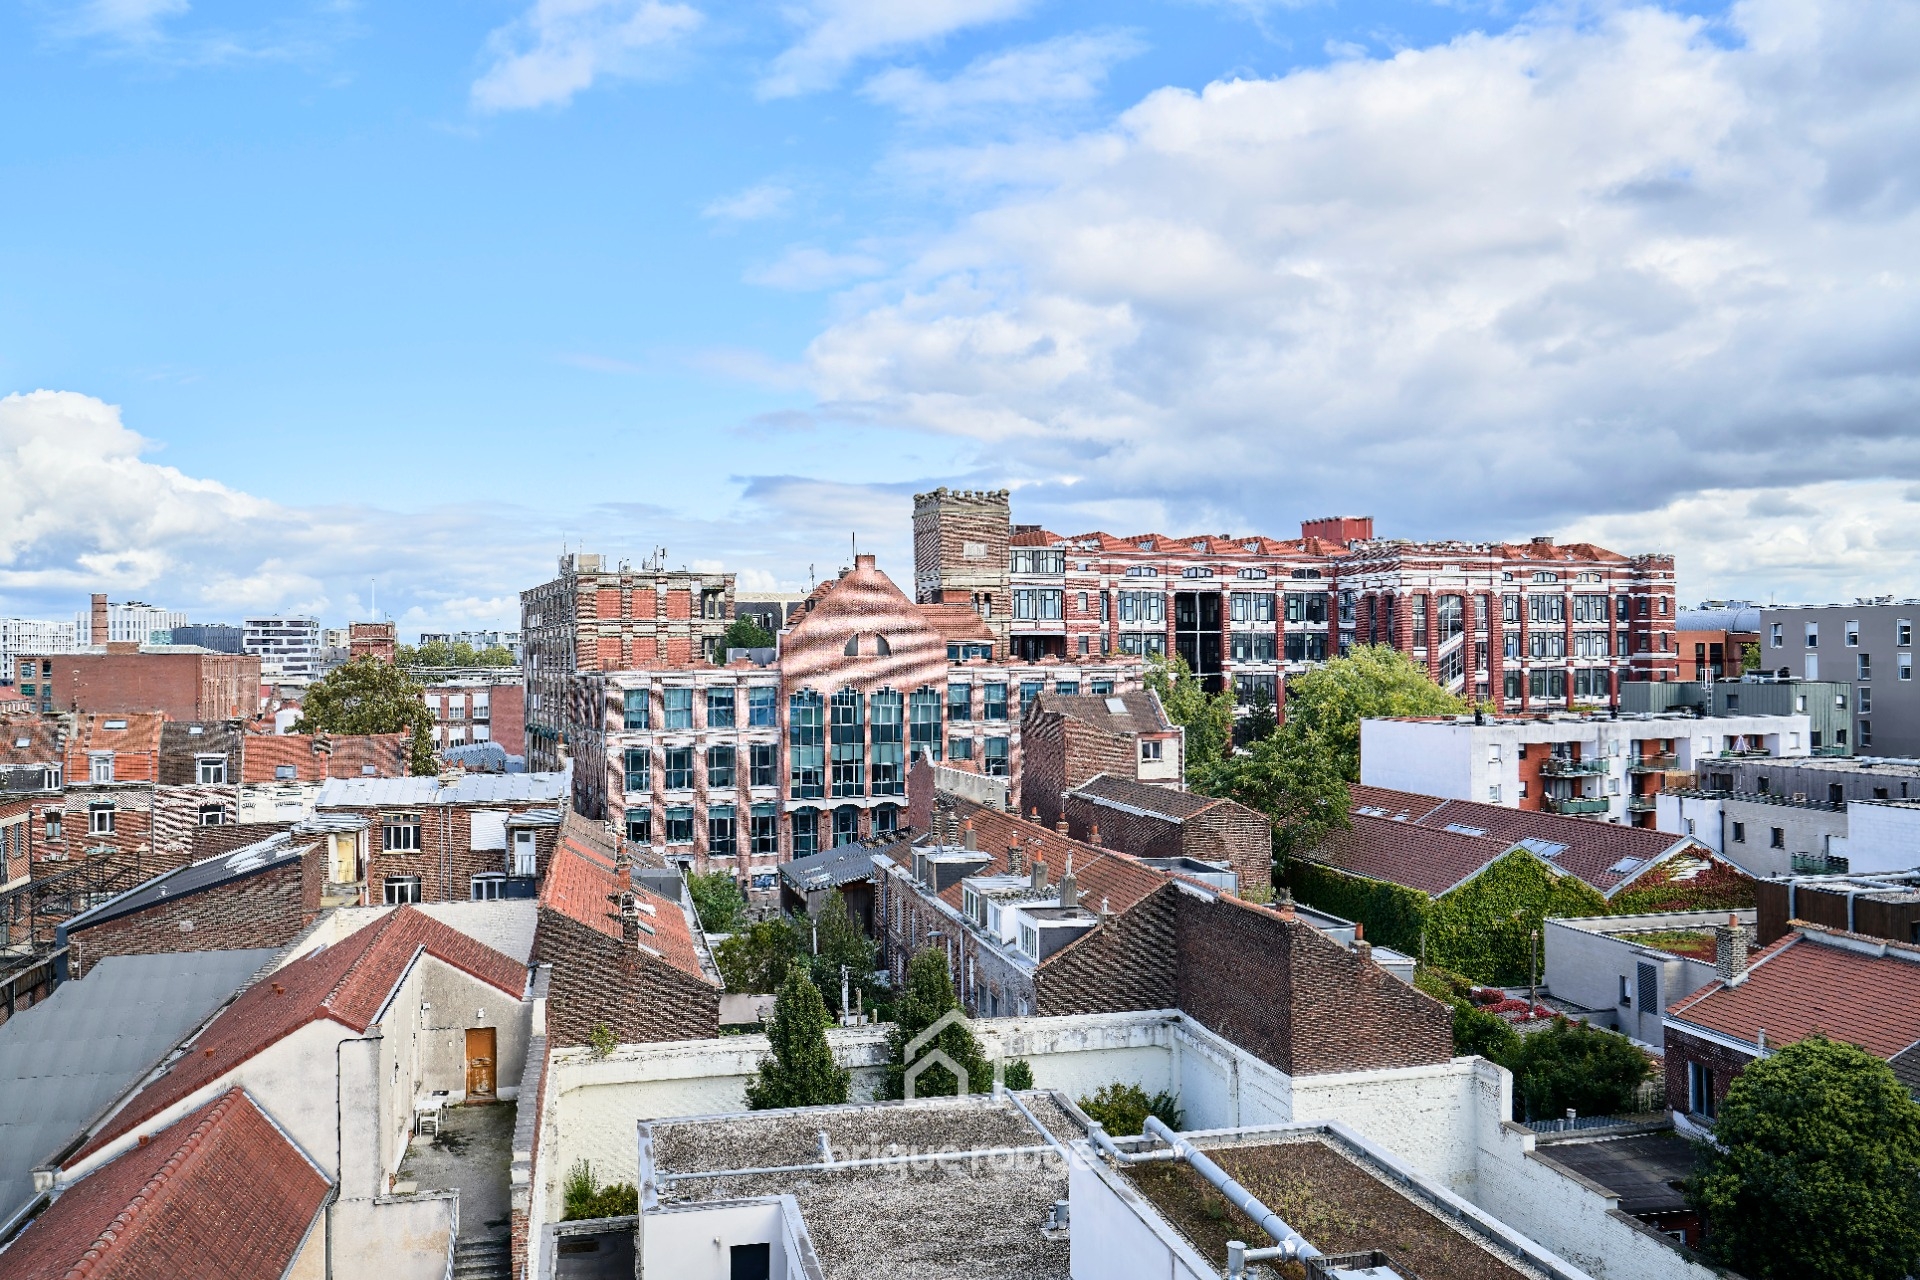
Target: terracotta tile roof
[1166, 802]
[1846, 986]
[221, 1194]
[957, 622]
[43, 741]
[139, 734]
[261, 754]
[1034, 538]
[1607, 855]
[346, 982]
[582, 884]
[1098, 873]
[1432, 861]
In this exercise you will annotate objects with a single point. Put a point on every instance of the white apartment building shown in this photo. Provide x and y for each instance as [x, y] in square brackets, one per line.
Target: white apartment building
[288, 646]
[22, 636]
[133, 622]
[1590, 765]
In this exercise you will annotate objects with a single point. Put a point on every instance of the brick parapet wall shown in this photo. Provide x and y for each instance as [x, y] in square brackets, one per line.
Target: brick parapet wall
[600, 979]
[267, 909]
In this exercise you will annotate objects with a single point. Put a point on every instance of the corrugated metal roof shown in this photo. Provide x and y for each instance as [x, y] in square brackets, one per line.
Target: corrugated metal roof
[472, 788]
[67, 1057]
[829, 870]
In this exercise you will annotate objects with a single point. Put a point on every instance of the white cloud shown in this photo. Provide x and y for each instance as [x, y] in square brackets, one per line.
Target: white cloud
[839, 33]
[1067, 69]
[763, 200]
[131, 21]
[1480, 289]
[558, 48]
[803, 268]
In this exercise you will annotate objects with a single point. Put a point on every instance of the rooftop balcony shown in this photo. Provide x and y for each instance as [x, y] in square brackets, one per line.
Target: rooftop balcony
[1576, 805]
[1561, 767]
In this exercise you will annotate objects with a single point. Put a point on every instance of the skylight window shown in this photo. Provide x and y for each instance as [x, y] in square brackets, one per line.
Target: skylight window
[114, 724]
[1117, 705]
[1545, 848]
[1462, 829]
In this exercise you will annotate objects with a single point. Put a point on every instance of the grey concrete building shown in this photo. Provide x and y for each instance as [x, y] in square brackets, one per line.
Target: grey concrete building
[1868, 644]
[1628, 969]
[1763, 834]
[1827, 704]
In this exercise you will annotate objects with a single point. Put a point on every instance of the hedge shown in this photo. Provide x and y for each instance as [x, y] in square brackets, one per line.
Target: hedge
[1394, 915]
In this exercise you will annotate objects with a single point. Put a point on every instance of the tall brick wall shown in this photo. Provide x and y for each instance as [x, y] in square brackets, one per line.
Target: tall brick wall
[446, 862]
[1682, 1049]
[267, 909]
[209, 842]
[1059, 753]
[1124, 966]
[1299, 1000]
[960, 545]
[185, 686]
[599, 979]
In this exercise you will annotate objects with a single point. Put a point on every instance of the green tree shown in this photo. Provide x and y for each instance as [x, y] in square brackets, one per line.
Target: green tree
[1018, 1074]
[840, 942]
[1122, 1109]
[440, 653]
[1207, 717]
[1750, 657]
[741, 633]
[1570, 1064]
[1293, 778]
[1814, 1170]
[757, 958]
[370, 696]
[927, 998]
[1261, 720]
[1487, 1034]
[717, 901]
[800, 1072]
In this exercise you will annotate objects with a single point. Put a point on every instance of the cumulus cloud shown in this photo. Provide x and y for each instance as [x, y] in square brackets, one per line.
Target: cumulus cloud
[1480, 288]
[558, 48]
[1068, 69]
[838, 33]
[762, 200]
[805, 268]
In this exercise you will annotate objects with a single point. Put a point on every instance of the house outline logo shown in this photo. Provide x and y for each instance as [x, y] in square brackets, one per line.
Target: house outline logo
[938, 1057]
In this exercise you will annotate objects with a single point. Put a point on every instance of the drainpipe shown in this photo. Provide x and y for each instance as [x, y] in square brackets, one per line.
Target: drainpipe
[1291, 1243]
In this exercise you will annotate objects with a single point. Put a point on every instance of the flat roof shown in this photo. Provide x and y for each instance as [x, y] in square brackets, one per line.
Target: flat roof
[1643, 1169]
[902, 1220]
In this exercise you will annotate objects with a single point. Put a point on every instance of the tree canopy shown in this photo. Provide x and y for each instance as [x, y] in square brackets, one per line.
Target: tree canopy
[757, 957]
[742, 633]
[800, 1072]
[440, 653]
[1207, 717]
[370, 696]
[1572, 1065]
[928, 996]
[717, 901]
[1814, 1170]
[841, 942]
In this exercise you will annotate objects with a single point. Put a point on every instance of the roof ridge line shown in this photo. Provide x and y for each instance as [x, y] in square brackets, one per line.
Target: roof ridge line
[150, 1192]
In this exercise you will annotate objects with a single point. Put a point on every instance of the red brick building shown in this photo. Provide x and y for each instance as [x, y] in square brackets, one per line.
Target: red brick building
[1845, 986]
[263, 895]
[376, 640]
[182, 682]
[1068, 740]
[1034, 922]
[1158, 822]
[477, 706]
[623, 957]
[1526, 626]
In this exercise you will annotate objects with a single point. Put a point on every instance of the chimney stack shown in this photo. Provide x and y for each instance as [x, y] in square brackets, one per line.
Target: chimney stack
[1039, 877]
[1361, 947]
[1069, 894]
[967, 838]
[1013, 857]
[1060, 824]
[98, 634]
[1093, 836]
[1730, 948]
[629, 919]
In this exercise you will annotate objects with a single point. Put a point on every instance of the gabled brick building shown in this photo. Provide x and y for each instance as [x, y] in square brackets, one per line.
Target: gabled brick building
[1149, 821]
[1034, 922]
[1070, 739]
[623, 956]
[281, 775]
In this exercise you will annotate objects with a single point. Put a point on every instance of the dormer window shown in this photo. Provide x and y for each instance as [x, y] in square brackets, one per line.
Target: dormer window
[1030, 941]
[100, 766]
[285, 773]
[210, 770]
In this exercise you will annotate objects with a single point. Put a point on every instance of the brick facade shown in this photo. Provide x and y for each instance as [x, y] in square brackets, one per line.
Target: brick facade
[446, 862]
[1723, 1061]
[1119, 967]
[269, 908]
[598, 979]
[1224, 831]
[182, 686]
[1059, 752]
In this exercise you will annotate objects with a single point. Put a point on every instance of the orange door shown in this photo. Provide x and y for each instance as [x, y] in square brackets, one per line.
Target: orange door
[480, 1045]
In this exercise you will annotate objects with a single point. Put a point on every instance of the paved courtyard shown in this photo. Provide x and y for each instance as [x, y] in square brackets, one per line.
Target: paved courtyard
[473, 1153]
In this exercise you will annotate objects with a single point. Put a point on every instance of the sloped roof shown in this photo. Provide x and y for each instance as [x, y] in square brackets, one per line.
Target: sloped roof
[68, 1056]
[222, 1194]
[261, 754]
[1033, 538]
[139, 731]
[347, 982]
[1163, 802]
[1135, 711]
[1864, 991]
[957, 623]
[829, 870]
[1428, 859]
[583, 884]
[42, 745]
[276, 850]
[1607, 855]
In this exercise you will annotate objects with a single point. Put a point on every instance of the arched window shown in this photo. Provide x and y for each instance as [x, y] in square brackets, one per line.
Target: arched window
[886, 819]
[881, 647]
[1306, 573]
[853, 646]
[1541, 575]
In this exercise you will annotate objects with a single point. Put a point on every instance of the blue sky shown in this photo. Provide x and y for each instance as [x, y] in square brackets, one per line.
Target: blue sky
[345, 291]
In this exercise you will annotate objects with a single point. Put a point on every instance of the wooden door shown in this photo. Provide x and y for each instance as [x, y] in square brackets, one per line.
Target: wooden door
[480, 1046]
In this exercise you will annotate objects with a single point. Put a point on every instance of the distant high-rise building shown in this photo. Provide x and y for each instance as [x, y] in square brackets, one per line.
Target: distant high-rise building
[220, 637]
[19, 636]
[286, 646]
[132, 622]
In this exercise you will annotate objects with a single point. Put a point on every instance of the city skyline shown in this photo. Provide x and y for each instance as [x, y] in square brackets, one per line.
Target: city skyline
[336, 294]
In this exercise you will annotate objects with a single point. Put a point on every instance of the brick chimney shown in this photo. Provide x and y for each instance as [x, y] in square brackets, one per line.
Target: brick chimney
[98, 634]
[1039, 877]
[1069, 894]
[1730, 948]
[1060, 824]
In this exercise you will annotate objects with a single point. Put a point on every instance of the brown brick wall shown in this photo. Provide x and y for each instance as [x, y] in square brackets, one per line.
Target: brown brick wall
[1228, 832]
[208, 842]
[1059, 753]
[186, 686]
[267, 909]
[1683, 1048]
[446, 863]
[599, 979]
[1126, 965]
[1297, 999]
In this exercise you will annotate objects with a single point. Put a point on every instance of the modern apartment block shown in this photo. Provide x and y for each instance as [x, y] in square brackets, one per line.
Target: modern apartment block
[1529, 627]
[508, 640]
[1612, 768]
[1869, 644]
[288, 647]
[1826, 704]
[131, 622]
[22, 636]
[217, 636]
[1714, 638]
[597, 615]
[745, 766]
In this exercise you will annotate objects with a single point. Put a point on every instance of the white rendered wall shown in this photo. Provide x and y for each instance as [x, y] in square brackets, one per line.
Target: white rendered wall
[1112, 1235]
[689, 1243]
[1880, 837]
[1427, 757]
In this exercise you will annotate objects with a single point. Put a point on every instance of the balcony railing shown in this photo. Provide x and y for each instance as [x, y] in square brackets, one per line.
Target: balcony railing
[1817, 864]
[1828, 751]
[1642, 803]
[1561, 767]
[1747, 753]
[1654, 763]
[1576, 804]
